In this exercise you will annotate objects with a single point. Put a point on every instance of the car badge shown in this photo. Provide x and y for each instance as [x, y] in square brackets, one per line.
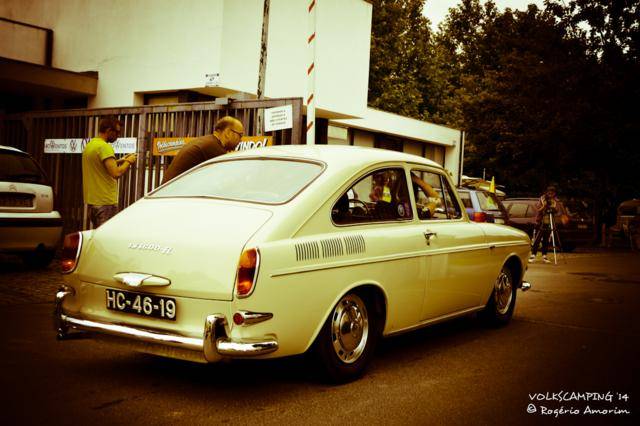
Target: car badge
[151, 247]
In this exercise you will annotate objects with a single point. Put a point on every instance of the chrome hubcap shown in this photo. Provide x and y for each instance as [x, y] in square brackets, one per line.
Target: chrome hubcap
[503, 293]
[349, 328]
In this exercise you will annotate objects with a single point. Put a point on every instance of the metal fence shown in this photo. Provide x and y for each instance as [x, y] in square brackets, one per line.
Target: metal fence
[28, 132]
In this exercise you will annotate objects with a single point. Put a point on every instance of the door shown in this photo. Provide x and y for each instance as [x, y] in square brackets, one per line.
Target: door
[456, 248]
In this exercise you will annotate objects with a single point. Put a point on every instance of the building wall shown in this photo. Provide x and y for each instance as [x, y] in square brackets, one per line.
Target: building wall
[165, 45]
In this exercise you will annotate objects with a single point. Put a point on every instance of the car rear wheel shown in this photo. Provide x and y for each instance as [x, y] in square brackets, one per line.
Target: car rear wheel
[499, 308]
[348, 337]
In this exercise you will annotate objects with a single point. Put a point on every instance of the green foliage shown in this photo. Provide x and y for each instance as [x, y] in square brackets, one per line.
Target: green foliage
[544, 95]
[399, 35]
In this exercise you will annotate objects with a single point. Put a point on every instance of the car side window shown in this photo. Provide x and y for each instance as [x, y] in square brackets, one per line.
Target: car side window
[518, 210]
[466, 199]
[434, 198]
[380, 196]
[531, 211]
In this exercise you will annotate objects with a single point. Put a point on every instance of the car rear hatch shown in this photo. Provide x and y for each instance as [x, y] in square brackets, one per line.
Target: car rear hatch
[494, 209]
[195, 244]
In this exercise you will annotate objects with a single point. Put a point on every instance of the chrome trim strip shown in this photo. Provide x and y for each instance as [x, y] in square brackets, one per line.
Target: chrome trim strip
[436, 320]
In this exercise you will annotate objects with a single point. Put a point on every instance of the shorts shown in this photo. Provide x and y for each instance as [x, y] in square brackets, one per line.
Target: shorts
[100, 214]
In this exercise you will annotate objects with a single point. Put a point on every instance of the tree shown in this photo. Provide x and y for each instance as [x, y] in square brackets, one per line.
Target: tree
[399, 49]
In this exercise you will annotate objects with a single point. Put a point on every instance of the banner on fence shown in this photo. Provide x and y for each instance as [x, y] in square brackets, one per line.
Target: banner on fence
[76, 145]
[171, 146]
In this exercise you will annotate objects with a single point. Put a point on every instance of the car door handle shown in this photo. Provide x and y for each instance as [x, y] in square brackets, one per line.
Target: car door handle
[428, 234]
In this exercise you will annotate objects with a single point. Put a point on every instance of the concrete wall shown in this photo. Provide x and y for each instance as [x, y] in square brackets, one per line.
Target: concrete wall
[166, 45]
[22, 43]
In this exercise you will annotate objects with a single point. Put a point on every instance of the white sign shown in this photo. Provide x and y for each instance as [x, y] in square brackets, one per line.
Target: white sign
[212, 80]
[76, 145]
[278, 118]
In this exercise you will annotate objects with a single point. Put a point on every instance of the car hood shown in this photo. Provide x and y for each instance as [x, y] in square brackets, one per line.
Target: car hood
[193, 243]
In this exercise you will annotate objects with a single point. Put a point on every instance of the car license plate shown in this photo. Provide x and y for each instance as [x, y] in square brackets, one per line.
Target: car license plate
[146, 305]
[16, 200]
[501, 221]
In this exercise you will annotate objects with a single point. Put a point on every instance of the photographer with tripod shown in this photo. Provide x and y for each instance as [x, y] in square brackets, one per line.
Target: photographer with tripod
[547, 208]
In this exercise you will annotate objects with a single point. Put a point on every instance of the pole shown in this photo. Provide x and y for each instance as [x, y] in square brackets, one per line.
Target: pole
[263, 65]
[311, 73]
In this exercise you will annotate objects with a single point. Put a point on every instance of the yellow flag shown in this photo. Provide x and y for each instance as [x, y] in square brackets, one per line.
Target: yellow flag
[492, 187]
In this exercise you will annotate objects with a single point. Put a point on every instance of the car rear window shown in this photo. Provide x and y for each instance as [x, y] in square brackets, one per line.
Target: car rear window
[270, 181]
[19, 167]
[488, 201]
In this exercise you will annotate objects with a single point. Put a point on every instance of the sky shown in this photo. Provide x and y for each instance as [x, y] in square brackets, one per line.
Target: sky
[436, 10]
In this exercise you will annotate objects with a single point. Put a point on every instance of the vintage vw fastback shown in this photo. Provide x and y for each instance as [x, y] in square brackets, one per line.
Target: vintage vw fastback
[277, 251]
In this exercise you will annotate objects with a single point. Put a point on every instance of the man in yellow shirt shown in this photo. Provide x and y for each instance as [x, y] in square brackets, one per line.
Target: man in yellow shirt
[100, 171]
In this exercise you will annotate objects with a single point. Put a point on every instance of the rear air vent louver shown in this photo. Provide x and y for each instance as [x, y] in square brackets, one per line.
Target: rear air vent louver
[354, 244]
[332, 247]
[307, 251]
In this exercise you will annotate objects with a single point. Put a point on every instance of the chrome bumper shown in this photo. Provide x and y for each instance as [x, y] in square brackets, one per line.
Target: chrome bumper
[213, 346]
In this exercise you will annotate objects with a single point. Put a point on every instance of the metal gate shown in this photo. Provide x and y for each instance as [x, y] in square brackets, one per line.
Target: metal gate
[28, 132]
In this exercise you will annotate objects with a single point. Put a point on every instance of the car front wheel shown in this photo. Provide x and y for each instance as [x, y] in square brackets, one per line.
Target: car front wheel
[499, 308]
[348, 337]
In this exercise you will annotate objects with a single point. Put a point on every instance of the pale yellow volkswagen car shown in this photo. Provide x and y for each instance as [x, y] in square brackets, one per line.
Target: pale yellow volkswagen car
[282, 250]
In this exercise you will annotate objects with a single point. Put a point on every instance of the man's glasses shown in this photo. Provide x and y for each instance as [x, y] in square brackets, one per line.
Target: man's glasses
[240, 134]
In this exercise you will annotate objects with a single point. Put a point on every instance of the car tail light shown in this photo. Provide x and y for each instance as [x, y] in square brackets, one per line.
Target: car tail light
[71, 252]
[479, 217]
[247, 272]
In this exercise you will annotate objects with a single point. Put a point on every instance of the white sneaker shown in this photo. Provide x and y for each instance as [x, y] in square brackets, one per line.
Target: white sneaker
[532, 259]
[545, 260]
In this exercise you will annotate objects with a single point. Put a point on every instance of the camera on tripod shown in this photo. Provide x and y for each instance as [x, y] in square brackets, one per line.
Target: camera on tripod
[549, 208]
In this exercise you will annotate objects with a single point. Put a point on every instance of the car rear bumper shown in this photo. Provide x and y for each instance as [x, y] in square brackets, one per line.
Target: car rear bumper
[211, 347]
[26, 232]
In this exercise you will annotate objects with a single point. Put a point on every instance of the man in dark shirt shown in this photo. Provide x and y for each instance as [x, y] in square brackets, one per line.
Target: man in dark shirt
[225, 138]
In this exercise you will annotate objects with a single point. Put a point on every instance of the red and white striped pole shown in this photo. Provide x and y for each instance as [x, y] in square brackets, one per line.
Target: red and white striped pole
[311, 73]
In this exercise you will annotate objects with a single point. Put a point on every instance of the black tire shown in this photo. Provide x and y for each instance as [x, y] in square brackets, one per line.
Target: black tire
[502, 302]
[38, 259]
[345, 345]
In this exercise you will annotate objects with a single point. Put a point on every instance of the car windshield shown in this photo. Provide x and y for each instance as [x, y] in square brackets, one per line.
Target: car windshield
[19, 167]
[488, 201]
[270, 181]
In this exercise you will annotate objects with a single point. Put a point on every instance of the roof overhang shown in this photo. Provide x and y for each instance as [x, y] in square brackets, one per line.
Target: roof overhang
[24, 78]
[409, 128]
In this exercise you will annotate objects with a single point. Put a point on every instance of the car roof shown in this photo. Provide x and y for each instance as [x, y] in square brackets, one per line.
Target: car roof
[340, 155]
[10, 148]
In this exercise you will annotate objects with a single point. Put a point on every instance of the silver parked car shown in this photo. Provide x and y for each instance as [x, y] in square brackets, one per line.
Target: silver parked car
[29, 226]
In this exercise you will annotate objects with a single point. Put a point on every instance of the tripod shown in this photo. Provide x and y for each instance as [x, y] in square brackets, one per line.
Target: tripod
[554, 236]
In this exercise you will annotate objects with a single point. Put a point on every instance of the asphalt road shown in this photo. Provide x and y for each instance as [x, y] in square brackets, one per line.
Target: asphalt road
[576, 331]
